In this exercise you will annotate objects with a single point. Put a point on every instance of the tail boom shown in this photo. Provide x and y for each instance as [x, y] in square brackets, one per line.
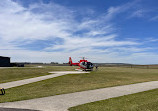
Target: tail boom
[71, 63]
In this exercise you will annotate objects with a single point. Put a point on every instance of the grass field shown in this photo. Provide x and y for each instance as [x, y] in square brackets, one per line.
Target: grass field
[104, 77]
[144, 101]
[13, 74]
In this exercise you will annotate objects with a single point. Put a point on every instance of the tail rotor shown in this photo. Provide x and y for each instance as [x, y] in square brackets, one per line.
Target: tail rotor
[70, 61]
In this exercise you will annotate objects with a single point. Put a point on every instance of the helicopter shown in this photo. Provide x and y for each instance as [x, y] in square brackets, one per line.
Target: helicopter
[83, 64]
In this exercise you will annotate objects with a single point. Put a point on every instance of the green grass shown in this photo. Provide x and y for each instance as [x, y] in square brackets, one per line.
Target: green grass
[104, 77]
[144, 101]
[13, 74]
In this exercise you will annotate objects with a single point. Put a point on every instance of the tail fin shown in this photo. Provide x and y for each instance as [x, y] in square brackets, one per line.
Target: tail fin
[70, 61]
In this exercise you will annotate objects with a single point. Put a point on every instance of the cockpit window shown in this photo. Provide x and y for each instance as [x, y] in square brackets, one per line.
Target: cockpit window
[83, 63]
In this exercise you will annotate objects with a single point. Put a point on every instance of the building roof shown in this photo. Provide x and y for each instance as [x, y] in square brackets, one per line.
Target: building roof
[4, 57]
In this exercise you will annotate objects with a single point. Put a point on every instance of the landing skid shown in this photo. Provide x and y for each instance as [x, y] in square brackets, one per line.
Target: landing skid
[78, 69]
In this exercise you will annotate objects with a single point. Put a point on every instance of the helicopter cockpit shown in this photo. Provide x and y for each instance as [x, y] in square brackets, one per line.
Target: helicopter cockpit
[87, 65]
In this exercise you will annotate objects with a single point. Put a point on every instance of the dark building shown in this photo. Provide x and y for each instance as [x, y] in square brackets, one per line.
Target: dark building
[4, 61]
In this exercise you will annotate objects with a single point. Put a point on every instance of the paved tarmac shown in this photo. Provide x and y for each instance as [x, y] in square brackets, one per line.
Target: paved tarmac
[65, 101]
[36, 79]
[15, 109]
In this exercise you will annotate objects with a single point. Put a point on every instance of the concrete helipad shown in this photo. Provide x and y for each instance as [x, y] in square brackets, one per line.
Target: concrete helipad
[36, 79]
[65, 101]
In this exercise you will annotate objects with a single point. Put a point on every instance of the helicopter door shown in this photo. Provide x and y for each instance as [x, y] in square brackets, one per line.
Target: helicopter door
[83, 64]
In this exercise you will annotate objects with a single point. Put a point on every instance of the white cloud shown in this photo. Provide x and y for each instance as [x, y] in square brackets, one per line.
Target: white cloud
[155, 18]
[76, 43]
[24, 24]
[114, 11]
[151, 39]
[138, 13]
[20, 25]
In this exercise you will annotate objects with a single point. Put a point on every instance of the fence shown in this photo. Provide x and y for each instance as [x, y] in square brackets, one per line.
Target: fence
[133, 66]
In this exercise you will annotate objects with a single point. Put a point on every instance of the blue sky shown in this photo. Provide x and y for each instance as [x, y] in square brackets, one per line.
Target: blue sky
[104, 31]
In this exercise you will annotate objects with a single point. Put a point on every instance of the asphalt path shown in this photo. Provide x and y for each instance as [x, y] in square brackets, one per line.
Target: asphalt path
[36, 79]
[65, 101]
[15, 109]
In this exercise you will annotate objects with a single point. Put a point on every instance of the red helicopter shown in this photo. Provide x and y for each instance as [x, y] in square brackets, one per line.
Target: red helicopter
[83, 64]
